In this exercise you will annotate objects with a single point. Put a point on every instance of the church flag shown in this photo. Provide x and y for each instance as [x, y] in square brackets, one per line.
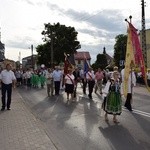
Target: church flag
[139, 54]
[134, 57]
[86, 65]
[129, 61]
[68, 63]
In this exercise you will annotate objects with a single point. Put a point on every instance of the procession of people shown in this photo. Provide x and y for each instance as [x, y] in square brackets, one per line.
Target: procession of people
[54, 79]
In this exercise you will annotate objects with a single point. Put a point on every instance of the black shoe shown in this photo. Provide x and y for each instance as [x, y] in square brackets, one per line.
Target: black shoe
[130, 109]
[2, 109]
[8, 108]
[90, 97]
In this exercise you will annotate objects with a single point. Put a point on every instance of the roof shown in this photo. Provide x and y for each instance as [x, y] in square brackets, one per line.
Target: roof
[82, 55]
[108, 57]
[2, 45]
[29, 57]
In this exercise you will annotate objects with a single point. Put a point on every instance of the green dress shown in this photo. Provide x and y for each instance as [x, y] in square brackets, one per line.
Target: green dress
[113, 100]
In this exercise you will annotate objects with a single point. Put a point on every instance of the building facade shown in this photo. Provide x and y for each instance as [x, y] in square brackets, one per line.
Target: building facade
[29, 62]
[147, 46]
[80, 58]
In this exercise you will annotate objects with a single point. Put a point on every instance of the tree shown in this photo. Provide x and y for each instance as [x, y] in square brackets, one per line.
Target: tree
[120, 49]
[43, 56]
[2, 49]
[63, 40]
[101, 62]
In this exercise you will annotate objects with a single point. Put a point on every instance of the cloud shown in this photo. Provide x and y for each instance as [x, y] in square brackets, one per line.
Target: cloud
[29, 2]
[108, 20]
[97, 49]
[17, 42]
[54, 7]
[103, 26]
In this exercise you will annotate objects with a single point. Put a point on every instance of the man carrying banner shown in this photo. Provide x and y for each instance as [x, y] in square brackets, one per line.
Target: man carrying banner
[130, 84]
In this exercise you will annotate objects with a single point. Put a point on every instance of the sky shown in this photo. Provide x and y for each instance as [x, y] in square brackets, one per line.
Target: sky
[97, 22]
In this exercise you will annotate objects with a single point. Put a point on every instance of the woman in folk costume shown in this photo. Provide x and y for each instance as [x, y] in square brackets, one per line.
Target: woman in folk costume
[42, 79]
[113, 99]
[34, 79]
[69, 83]
[115, 69]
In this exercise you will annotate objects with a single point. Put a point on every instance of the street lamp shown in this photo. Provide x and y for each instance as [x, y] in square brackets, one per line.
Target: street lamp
[32, 57]
[52, 48]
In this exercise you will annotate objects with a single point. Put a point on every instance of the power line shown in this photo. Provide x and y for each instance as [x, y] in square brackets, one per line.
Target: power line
[84, 19]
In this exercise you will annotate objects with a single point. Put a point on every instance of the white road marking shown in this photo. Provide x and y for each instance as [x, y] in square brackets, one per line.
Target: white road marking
[139, 112]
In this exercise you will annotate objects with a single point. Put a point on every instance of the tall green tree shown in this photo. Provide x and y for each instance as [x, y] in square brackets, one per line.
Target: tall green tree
[101, 62]
[120, 49]
[63, 40]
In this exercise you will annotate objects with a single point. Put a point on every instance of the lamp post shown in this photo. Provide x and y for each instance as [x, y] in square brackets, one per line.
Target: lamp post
[52, 54]
[52, 48]
[32, 57]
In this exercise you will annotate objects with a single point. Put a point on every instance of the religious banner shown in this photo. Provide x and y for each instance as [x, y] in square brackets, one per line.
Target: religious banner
[129, 61]
[134, 56]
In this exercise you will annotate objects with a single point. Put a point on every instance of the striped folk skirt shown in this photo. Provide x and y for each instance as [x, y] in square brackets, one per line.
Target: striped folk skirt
[113, 103]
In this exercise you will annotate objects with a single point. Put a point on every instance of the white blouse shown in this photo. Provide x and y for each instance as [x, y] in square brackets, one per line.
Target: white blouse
[68, 80]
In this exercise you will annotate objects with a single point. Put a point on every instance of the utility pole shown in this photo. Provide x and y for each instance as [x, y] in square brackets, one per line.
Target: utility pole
[52, 51]
[32, 57]
[144, 48]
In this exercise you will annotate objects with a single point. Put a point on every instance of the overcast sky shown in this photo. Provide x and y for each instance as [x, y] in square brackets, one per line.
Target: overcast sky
[97, 22]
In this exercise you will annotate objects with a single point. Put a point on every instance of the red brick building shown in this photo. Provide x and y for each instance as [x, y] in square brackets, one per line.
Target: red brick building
[80, 57]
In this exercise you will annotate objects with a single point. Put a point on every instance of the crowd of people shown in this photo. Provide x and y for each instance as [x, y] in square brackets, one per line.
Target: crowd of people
[55, 79]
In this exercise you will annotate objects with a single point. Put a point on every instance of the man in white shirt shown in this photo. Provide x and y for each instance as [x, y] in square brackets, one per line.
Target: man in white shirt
[28, 77]
[7, 79]
[91, 81]
[131, 83]
[49, 82]
[57, 76]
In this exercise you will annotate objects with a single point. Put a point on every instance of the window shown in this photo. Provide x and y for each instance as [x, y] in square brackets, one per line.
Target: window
[79, 61]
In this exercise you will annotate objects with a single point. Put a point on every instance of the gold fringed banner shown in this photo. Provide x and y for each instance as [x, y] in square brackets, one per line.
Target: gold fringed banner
[129, 61]
[138, 53]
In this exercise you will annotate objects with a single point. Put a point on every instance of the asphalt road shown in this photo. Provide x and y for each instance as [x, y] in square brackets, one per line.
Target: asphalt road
[80, 125]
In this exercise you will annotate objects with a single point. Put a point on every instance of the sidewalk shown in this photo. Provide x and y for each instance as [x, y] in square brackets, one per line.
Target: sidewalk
[19, 129]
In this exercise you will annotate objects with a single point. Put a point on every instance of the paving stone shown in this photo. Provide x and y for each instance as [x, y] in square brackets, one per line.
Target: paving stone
[20, 130]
